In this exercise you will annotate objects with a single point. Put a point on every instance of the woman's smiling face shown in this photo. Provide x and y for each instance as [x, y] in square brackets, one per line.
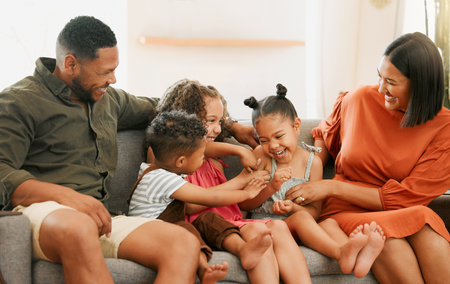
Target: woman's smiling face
[393, 85]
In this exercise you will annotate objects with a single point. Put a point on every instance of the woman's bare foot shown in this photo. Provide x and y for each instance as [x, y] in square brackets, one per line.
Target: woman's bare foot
[349, 252]
[214, 273]
[251, 252]
[371, 251]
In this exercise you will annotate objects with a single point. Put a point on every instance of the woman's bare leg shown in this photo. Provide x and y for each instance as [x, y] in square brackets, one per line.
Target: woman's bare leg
[266, 271]
[291, 261]
[397, 263]
[433, 254]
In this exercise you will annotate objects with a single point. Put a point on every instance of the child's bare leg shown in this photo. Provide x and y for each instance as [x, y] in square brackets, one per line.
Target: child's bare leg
[303, 226]
[266, 270]
[251, 251]
[349, 252]
[291, 261]
[210, 274]
[371, 251]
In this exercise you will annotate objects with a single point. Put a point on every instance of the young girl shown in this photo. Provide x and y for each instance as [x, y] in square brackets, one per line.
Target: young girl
[277, 126]
[284, 258]
[178, 145]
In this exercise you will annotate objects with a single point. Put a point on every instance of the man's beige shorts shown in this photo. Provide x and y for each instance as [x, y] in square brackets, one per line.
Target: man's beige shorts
[122, 226]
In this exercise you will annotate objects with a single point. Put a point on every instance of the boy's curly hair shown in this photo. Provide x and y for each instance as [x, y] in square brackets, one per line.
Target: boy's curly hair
[174, 133]
[189, 95]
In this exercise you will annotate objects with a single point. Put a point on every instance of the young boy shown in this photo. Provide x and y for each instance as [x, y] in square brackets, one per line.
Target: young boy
[177, 141]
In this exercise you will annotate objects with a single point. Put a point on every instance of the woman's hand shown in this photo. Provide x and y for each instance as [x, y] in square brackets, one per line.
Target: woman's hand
[245, 134]
[311, 191]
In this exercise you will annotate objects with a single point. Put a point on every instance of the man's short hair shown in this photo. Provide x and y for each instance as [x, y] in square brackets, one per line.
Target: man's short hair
[83, 36]
[174, 133]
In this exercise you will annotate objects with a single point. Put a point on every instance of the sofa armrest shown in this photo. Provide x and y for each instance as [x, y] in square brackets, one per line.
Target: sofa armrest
[441, 206]
[15, 248]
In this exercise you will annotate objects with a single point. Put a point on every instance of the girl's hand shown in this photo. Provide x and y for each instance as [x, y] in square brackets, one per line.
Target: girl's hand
[248, 159]
[245, 134]
[254, 187]
[280, 176]
[311, 191]
[283, 207]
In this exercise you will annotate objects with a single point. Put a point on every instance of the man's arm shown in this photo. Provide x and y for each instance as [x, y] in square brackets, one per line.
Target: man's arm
[33, 191]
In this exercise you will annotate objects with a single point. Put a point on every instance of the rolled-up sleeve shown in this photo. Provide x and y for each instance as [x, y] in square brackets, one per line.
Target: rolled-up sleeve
[329, 129]
[429, 179]
[15, 138]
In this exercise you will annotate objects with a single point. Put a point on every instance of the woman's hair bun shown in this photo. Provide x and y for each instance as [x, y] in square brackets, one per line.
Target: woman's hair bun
[281, 91]
[251, 102]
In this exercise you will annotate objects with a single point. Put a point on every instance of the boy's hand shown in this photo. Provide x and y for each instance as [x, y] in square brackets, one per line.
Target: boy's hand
[283, 207]
[245, 176]
[254, 187]
[280, 176]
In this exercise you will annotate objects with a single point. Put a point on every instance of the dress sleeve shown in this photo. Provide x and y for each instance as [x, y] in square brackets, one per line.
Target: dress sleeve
[429, 179]
[329, 129]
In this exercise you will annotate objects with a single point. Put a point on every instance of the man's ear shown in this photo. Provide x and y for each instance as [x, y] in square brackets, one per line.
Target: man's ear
[70, 64]
[181, 160]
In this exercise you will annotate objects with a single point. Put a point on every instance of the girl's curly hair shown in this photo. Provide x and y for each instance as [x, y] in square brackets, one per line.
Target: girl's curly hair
[189, 95]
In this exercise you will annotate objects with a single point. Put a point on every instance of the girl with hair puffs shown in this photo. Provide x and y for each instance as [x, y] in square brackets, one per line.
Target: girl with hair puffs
[277, 126]
[283, 259]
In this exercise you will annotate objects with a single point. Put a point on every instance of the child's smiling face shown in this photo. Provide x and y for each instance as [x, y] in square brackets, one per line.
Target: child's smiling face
[278, 136]
[214, 116]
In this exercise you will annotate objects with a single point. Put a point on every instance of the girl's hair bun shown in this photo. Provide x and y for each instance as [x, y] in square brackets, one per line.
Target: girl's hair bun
[251, 102]
[281, 91]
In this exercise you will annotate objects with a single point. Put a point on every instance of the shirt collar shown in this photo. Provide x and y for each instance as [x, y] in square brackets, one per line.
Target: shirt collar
[44, 69]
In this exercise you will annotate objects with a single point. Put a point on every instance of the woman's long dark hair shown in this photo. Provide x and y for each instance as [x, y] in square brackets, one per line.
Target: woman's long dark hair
[418, 58]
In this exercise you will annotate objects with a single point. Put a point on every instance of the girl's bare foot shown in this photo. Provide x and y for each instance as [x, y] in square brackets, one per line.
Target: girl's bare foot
[349, 252]
[251, 252]
[214, 273]
[371, 251]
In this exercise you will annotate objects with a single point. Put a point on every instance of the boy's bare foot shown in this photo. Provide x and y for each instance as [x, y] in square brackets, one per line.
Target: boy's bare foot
[214, 273]
[349, 252]
[371, 251]
[252, 251]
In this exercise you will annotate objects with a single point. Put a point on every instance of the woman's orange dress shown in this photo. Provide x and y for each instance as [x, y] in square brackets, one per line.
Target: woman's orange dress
[409, 166]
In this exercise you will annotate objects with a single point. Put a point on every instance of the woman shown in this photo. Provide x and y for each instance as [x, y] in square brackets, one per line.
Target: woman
[391, 145]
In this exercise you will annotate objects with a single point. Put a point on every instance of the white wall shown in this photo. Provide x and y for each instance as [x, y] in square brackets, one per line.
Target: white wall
[29, 28]
[345, 43]
[237, 72]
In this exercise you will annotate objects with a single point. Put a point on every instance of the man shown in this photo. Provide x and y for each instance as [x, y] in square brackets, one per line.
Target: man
[57, 154]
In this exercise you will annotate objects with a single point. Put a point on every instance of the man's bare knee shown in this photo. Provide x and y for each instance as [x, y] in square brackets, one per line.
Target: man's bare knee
[66, 230]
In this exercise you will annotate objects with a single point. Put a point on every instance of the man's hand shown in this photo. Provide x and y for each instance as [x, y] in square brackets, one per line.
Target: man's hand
[33, 191]
[90, 206]
[245, 134]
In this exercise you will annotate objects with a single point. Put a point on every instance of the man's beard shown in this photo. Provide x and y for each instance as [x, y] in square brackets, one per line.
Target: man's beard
[82, 94]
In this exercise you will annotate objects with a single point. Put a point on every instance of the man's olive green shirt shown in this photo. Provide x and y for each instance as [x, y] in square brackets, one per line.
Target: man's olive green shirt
[45, 136]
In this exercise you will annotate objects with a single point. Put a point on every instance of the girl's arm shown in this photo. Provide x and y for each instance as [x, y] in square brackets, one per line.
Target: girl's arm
[221, 149]
[217, 196]
[237, 182]
[265, 193]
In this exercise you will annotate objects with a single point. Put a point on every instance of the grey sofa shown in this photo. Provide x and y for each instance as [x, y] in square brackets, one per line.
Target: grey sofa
[17, 265]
